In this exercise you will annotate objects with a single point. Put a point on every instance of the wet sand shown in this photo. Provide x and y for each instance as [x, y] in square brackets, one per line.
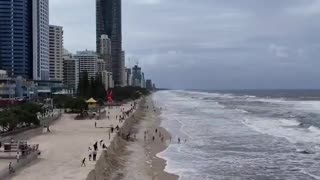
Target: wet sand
[140, 160]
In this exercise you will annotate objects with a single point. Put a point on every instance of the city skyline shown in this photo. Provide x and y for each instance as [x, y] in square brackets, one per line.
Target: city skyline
[109, 22]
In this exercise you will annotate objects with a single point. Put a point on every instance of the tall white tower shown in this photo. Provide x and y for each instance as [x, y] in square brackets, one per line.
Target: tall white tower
[40, 14]
[56, 52]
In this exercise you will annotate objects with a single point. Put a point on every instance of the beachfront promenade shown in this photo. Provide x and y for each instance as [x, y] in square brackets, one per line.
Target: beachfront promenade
[63, 149]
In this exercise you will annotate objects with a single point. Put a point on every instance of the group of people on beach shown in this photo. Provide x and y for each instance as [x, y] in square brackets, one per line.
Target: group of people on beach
[93, 151]
[157, 134]
[160, 136]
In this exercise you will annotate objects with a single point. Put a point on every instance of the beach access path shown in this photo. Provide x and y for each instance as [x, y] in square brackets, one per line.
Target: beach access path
[63, 149]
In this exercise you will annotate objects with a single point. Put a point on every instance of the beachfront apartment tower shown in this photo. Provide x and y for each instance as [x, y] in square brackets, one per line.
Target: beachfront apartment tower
[128, 77]
[143, 81]
[101, 65]
[123, 68]
[87, 62]
[70, 72]
[56, 52]
[40, 33]
[136, 76]
[16, 37]
[108, 22]
[149, 84]
[107, 80]
[105, 51]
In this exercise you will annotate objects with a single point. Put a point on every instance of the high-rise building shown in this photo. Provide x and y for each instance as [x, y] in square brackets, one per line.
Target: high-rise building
[149, 85]
[107, 80]
[128, 77]
[87, 62]
[123, 68]
[101, 66]
[24, 38]
[105, 51]
[40, 33]
[56, 52]
[16, 37]
[70, 72]
[108, 22]
[143, 81]
[136, 76]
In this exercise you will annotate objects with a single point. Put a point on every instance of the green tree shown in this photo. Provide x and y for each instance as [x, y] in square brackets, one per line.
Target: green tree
[128, 93]
[100, 91]
[76, 105]
[84, 85]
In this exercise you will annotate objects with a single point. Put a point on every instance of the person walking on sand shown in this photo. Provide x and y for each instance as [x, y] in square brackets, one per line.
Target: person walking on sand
[153, 138]
[90, 155]
[156, 130]
[18, 156]
[179, 141]
[83, 164]
[11, 170]
[95, 146]
[95, 124]
[94, 155]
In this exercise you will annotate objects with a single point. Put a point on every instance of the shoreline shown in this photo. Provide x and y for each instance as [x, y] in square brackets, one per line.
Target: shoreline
[159, 164]
[139, 159]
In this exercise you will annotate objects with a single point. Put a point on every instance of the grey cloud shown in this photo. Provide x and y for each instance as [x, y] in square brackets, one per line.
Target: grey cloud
[210, 43]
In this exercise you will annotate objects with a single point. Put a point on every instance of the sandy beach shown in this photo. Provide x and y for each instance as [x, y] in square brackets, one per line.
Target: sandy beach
[140, 161]
[63, 149]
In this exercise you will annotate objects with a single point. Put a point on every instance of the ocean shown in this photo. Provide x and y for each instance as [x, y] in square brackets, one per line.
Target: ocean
[242, 135]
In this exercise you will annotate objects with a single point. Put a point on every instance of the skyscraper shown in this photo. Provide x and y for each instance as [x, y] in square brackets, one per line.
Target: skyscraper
[105, 51]
[101, 66]
[24, 38]
[56, 52]
[70, 72]
[122, 67]
[149, 84]
[40, 13]
[128, 77]
[87, 62]
[108, 21]
[136, 76]
[16, 37]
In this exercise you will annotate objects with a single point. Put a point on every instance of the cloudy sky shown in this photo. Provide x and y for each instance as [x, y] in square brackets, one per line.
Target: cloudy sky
[209, 44]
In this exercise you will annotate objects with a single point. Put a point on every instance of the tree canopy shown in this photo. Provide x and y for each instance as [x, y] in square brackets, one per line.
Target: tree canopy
[94, 87]
[24, 115]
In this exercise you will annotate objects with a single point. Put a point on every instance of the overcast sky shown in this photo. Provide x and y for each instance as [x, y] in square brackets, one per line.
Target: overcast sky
[209, 44]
